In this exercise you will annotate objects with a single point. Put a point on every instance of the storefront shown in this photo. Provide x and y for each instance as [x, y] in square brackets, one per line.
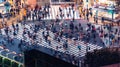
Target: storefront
[103, 8]
[89, 3]
[4, 7]
[106, 9]
[105, 13]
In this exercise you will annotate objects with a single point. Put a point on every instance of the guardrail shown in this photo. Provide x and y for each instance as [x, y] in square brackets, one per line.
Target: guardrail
[8, 53]
[19, 64]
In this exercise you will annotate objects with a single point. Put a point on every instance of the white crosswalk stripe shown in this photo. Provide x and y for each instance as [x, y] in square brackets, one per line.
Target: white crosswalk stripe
[72, 49]
[54, 11]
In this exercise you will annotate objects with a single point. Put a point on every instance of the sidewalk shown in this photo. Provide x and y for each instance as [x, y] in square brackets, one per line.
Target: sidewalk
[115, 26]
[10, 21]
[102, 23]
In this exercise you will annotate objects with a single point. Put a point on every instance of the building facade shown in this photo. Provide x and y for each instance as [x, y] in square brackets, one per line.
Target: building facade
[108, 9]
[42, 2]
[33, 3]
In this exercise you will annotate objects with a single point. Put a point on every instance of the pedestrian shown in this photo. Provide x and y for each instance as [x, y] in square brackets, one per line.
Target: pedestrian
[34, 37]
[65, 45]
[102, 19]
[19, 45]
[58, 38]
[13, 26]
[6, 30]
[40, 40]
[33, 14]
[69, 10]
[61, 15]
[73, 13]
[60, 10]
[71, 26]
[91, 12]
[87, 14]
[49, 40]
[15, 32]
[11, 41]
[87, 48]
[79, 47]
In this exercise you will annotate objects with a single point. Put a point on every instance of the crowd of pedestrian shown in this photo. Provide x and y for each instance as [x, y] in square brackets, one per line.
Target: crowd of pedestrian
[65, 33]
[30, 38]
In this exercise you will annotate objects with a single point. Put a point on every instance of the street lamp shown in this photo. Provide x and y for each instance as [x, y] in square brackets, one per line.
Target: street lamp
[112, 15]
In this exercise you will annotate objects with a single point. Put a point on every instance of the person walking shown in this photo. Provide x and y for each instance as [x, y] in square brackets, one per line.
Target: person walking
[87, 14]
[102, 20]
[91, 14]
[72, 26]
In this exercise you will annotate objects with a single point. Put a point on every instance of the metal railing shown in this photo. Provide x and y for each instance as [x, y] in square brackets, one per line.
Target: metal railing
[7, 54]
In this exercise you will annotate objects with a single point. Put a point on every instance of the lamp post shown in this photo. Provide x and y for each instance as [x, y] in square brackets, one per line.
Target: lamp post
[112, 15]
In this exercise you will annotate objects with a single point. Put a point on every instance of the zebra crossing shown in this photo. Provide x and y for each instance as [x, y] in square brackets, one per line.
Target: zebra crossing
[54, 12]
[72, 49]
[65, 11]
